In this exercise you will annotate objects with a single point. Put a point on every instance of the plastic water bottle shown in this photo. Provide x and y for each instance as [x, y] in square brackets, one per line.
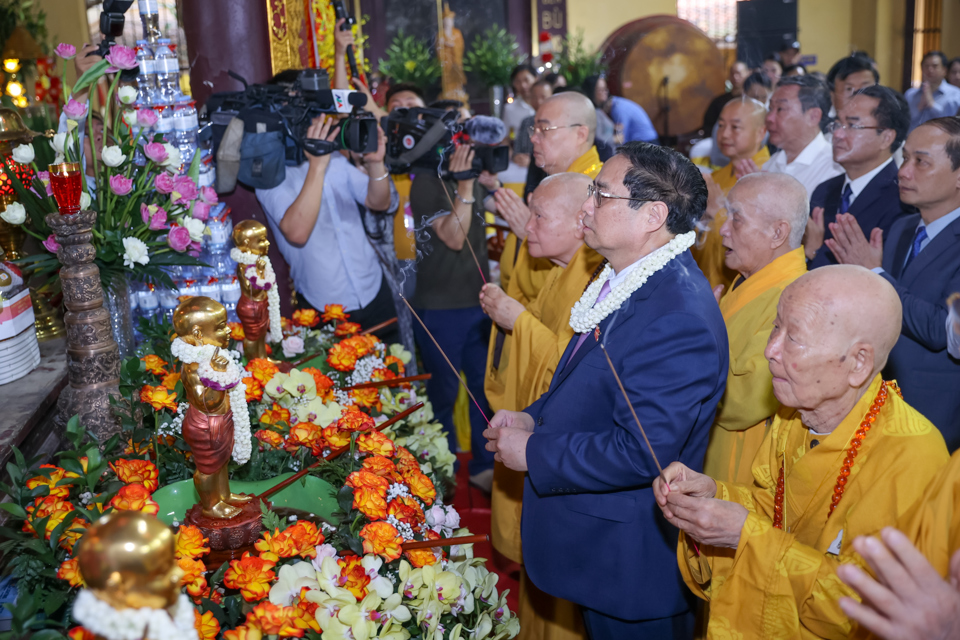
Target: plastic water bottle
[168, 301]
[168, 72]
[150, 17]
[147, 80]
[148, 301]
[186, 127]
[166, 124]
[230, 293]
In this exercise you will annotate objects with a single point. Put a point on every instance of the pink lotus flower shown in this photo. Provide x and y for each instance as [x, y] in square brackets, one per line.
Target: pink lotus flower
[163, 183]
[121, 185]
[45, 179]
[51, 244]
[156, 152]
[153, 216]
[147, 117]
[195, 248]
[184, 190]
[122, 57]
[201, 210]
[75, 110]
[66, 51]
[178, 239]
[209, 195]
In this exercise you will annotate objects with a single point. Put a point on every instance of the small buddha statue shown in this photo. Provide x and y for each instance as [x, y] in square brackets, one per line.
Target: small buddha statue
[208, 424]
[251, 246]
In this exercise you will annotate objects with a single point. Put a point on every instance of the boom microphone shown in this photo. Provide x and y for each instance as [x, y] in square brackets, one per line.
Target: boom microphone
[485, 130]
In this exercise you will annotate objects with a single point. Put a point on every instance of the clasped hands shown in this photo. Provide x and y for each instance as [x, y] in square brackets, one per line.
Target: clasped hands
[507, 438]
[501, 308]
[687, 501]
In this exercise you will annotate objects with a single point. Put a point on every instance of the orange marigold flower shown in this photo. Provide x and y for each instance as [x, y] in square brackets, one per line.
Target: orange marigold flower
[158, 398]
[370, 494]
[352, 419]
[306, 609]
[135, 497]
[251, 575]
[394, 360]
[137, 448]
[155, 364]
[170, 380]
[346, 329]
[254, 390]
[137, 471]
[421, 557]
[262, 369]
[275, 620]
[270, 438]
[382, 539]
[382, 467]
[405, 509]
[305, 434]
[382, 374]
[300, 539]
[73, 534]
[306, 318]
[324, 383]
[335, 437]
[243, 632]
[354, 576]
[369, 398]
[56, 475]
[206, 625]
[362, 344]
[405, 460]
[193, 578]
[191, 543]
[334, 312]
[421, 486]
[342, 357]
[70, 571]
[53, 506]
[81, 633]
[376, 443]
[275, 414]
[236, 331]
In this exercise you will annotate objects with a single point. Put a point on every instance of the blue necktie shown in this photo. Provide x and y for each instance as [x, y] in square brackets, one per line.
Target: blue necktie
[845, 198]
[917, 242]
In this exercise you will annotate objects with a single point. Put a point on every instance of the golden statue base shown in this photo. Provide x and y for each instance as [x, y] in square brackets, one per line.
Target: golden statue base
[231, 536]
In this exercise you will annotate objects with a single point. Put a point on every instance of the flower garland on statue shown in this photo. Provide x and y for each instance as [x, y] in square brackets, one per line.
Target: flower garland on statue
[103, 620]
[585, 316]
[229, 380]
[267, 283]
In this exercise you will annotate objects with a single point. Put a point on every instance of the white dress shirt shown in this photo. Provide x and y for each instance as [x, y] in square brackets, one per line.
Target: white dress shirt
[514, 113]
[811, 167]
[337, 264]
[857, 186]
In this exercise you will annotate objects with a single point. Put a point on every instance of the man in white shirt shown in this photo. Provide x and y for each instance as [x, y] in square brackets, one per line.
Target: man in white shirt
[935, 97]
[314, 215]
[798, 111]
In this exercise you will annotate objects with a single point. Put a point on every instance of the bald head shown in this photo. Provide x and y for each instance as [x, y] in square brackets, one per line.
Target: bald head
[567, 123]
[554, 231]
[766, 217]
[834, 330]
[741, 128]
[577, 107]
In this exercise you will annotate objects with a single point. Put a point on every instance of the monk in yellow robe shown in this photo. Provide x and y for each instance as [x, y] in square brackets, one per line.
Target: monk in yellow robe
[766, 218]
[844, 457]
[740, 134]
[520, 368]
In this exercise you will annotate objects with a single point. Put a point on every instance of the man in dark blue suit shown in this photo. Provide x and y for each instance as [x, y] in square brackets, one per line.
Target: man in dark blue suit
[869, 128]
[921, 258]
[591, 531]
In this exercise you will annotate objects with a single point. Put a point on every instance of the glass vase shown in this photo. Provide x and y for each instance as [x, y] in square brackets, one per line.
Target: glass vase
[116, 300]
[66, 183]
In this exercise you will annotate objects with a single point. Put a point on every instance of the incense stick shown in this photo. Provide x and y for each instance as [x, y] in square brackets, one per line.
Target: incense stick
[630, 404]
[466, 241]
[452, 368]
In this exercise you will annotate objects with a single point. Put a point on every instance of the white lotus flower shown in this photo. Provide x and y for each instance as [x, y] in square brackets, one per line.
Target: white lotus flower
[59, 142]
[173, 161]
[84, 200]
[195, 227]
[130, 117]
[24, 154]
[127, 95]
[135, 252]
[14, 213]
[112, 156]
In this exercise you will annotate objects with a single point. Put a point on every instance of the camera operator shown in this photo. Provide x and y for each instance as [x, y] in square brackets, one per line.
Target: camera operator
[447, 294]
[315, 218]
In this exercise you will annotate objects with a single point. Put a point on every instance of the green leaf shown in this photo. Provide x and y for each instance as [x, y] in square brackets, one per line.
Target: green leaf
[217, 577]
[53, 602]
[14, 509]
[90, 76]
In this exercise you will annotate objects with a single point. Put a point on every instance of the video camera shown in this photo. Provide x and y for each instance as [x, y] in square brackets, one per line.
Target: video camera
[111, 27]
[424, 137]
[290, 107]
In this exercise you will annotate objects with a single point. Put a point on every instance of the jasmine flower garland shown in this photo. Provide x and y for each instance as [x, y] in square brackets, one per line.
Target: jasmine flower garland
[267, 283]
[103, 620]
[587, 314]
[230, 381]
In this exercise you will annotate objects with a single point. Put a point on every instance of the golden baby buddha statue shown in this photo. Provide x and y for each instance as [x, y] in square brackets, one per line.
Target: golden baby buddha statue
[128, 562]
[259, 305]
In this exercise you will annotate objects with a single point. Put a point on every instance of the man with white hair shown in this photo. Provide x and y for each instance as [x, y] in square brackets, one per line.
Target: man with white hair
[762, 236]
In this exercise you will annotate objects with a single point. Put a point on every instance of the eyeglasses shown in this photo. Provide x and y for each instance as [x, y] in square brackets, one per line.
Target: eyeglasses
[594, 192]
[539, 131]
[836, 125]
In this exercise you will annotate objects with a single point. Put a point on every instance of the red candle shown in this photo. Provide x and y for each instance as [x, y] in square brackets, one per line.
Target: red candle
[65, 181]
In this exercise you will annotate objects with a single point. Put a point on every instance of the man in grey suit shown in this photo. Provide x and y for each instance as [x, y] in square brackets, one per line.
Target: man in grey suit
[921, 258]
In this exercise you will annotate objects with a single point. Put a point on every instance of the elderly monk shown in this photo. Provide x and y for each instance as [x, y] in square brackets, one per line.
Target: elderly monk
[741, 131]
[520, 368]
[844, 456]
[766, 217]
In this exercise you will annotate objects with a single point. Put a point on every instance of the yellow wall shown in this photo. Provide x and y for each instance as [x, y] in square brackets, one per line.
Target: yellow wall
[66, 22]
[600, 18]
[824, 30]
